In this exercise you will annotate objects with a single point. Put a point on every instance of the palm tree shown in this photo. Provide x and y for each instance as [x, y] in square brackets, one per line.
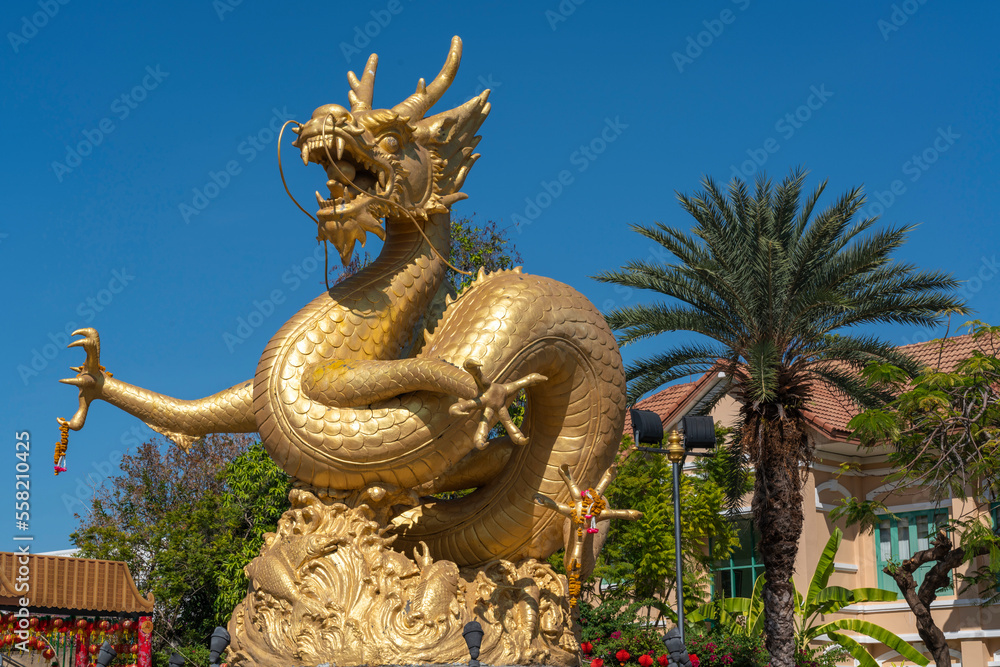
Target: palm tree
[771, 284]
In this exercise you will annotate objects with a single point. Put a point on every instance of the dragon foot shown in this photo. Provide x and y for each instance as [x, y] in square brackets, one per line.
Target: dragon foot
[494, 399]
[90, 375]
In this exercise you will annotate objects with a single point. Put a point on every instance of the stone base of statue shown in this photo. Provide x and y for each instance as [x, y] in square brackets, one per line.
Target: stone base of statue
[327, 588]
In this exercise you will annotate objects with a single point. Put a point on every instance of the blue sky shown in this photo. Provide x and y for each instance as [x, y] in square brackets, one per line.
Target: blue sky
[120, 113]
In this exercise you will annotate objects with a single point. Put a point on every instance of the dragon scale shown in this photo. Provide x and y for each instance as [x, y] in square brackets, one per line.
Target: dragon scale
[384, 384]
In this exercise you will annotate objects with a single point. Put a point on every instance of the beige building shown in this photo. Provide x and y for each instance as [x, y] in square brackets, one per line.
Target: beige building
[972, 630]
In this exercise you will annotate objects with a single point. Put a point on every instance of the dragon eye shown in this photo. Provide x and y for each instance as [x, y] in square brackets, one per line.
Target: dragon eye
[389, 143]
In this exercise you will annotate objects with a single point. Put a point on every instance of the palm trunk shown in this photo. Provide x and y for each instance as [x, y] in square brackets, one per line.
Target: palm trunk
[777, 509]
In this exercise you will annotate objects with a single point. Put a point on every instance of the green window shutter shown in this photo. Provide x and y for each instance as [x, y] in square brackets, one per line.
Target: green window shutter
[898, 538]
[735, 576]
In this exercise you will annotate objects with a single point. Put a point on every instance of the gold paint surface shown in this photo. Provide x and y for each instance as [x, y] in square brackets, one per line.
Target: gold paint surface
[327, 587]
[386, 382]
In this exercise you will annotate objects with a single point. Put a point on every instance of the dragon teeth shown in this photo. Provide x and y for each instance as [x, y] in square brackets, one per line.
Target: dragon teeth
[320, 200]
[340, 148]
[305, 154]
[381, 178]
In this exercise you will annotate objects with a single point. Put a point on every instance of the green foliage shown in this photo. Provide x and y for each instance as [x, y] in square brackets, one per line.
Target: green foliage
[944, 425]
[771, 284]
[474, 246]
[720, 648]
[196, 654]
[164, 517]
[254, 498]
[639, 555]
[187, 523]
[741, 616]
[773, 290]
[944, 428]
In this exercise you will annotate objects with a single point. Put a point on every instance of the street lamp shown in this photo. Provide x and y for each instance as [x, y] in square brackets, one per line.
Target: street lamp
[700, 435]
[106, 655]
[473, 633]
[217, 644]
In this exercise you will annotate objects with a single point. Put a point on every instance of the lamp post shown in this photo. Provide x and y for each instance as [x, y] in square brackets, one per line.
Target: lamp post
[675, 454]
[699, 433]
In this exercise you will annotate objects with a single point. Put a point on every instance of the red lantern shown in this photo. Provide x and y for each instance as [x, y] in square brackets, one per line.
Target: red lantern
[57, 623]
[33, 621]
[126, 625]
[81, 624]
[94, 648]
[48, 654]
[646, 660]
[104, 625]
[134, 648]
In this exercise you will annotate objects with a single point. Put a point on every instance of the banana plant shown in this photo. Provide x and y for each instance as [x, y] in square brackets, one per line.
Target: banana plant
[745, 616]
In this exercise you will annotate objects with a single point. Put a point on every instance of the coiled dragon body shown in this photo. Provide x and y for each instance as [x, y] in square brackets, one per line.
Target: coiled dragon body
[388, 384]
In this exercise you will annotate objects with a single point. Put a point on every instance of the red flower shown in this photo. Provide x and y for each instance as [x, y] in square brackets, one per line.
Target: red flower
[596, 662]
[694, 660]
[645, 660]
[664, 660]
[622, 655]
[586, 647]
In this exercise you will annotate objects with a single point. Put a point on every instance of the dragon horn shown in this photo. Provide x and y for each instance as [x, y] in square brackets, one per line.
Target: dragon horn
[416, 105]
[363, 91]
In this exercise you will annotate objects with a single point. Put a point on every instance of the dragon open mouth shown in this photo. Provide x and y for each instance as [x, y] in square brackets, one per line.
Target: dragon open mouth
[354, 175]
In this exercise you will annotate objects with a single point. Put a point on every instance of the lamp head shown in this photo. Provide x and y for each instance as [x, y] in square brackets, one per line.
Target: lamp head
[647, 427]
[106, 655]
[473, 633]
[217, 644]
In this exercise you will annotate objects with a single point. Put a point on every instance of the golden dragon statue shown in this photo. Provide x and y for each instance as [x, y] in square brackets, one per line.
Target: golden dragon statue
[385, 386]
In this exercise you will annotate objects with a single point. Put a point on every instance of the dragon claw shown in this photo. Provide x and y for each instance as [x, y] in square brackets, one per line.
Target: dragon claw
[494, 399]
[90, 375]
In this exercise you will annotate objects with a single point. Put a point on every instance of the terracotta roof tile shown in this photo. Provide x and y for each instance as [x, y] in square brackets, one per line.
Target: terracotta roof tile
[828, 410]
[84, 584]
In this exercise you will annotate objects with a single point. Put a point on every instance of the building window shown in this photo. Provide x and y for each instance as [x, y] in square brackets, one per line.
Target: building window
[898, 538]
[735, 577]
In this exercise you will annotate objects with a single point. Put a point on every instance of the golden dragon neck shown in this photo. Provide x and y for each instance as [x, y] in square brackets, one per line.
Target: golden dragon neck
[375, 311]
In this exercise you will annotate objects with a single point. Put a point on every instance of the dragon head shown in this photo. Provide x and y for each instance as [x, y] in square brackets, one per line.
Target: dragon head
[390, 164]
